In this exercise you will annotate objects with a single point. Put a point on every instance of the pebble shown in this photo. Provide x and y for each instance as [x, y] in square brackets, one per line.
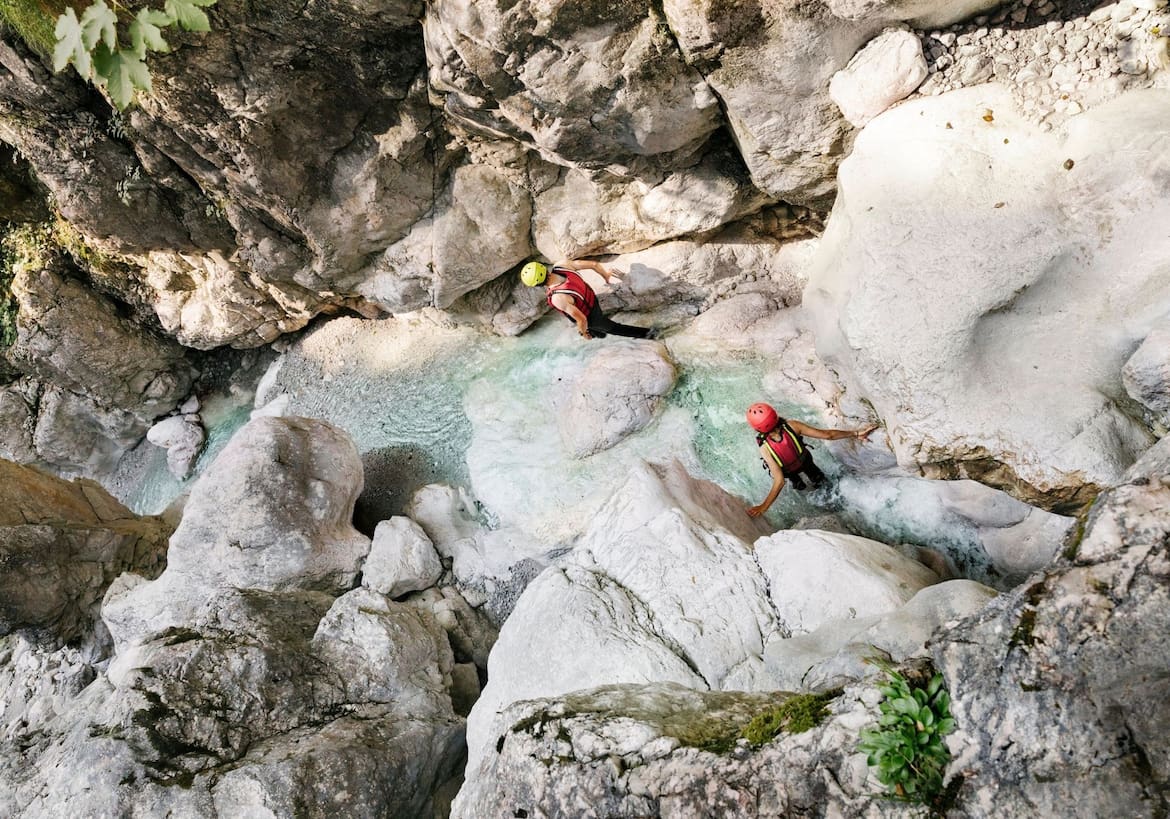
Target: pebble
[1076, 43]
[1009, 45]
[1073, 108]
[978, 34]
[1122, 11]
[1149, 5]
[1056, 54]
[1019, 15]
[1039, 48]
[947, 38]
[1099, 15]
[1133, 66]
[1047, 8]
[1052, 26]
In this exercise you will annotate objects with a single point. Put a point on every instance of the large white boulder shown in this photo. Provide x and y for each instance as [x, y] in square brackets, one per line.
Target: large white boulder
[960, 284]
[815, 577]
[273, 512]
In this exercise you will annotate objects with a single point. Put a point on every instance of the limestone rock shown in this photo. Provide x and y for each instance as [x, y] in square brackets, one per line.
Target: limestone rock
[660, 749]
[401, 559]
[840, 651]
[471, 633]
[586, 88]
[61, 545]
[480, 231]
[387, 652]
[582, 215]
[980, 355]
[272, 512]
[75, 435]
[615, 396]
[1146, 374]
[808, 572]
[73, 337]
[887, 70]
[1052, 685]
[182, 437]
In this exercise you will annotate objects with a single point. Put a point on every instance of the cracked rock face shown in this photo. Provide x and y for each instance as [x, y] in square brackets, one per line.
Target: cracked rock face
[644, 750]
[1058, 688]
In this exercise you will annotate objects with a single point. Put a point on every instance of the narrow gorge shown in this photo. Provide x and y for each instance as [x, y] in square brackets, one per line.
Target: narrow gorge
[311, 508]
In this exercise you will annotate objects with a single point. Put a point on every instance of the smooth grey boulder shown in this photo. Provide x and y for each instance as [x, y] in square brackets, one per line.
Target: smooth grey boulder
[808, 569]
[61, 545]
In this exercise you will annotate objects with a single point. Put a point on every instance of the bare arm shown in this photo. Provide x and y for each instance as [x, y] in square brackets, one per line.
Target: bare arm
[588, 264]
[777, 483]
[830, 434]
[568, 305]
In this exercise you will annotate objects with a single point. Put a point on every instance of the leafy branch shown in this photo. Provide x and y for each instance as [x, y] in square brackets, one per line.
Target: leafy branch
[91, 43]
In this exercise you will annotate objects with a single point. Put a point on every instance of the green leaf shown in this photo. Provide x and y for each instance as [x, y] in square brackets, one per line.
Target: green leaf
[188, 14]
[146, 32]
[70, 47]
[946, 726]
[905, 705]
[99, 23]
[935, 684]
[122, 72]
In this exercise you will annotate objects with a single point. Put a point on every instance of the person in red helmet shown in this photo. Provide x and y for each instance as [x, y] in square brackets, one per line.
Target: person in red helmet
[784, 452]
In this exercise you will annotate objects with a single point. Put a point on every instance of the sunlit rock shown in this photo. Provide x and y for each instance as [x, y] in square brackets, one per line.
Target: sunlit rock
[840, 651]
[886, 71]
[273, 512]
[994, 356]
[815, 577]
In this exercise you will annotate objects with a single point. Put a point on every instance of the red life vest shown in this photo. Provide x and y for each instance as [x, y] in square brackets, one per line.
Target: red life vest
[573, 286]
[789, 451]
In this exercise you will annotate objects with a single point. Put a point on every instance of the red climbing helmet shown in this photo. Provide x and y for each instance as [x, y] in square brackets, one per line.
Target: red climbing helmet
[762, 418]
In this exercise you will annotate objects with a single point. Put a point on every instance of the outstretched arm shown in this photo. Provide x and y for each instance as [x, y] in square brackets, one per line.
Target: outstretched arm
[588, 264]
[831, 434]
[777, 484]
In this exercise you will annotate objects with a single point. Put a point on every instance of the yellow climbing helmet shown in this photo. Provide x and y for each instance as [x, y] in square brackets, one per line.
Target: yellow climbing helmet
[533, 273]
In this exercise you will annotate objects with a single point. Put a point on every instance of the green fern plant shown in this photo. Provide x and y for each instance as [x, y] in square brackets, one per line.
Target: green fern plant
[92, 43]
[907, 747]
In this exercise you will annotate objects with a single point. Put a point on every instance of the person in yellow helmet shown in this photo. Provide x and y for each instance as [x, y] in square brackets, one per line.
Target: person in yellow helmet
[572, 297]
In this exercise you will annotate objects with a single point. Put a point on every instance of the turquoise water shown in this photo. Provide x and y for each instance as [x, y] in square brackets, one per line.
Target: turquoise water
[222, 416]
[409, 401]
